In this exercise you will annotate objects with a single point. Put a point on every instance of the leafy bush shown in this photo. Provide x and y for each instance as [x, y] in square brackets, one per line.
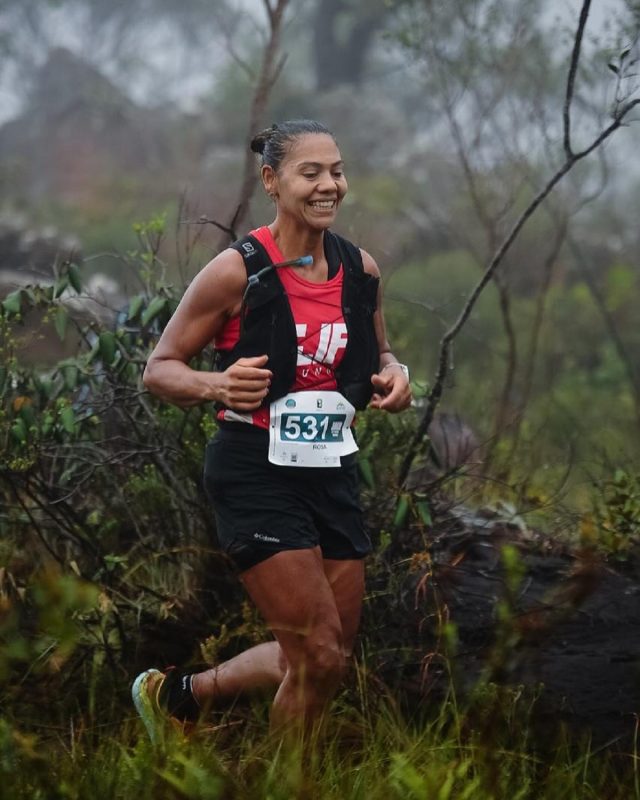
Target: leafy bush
[99, 484]
[613, 527]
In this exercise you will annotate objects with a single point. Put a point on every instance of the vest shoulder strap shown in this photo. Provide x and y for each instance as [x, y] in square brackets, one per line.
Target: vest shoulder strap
[350, 255]
[253, 252]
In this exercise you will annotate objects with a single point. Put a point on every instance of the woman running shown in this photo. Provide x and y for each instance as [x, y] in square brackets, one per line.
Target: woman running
[294, 313]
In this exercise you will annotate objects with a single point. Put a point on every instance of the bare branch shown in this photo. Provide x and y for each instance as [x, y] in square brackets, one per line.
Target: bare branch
[34, 524]
[618, 120]
[205, 220]
[445, 344]
[612, 329]
[269, 73]
[478, 205]
[234, 221]
[229, 44]
[278, 70]
[571, 78]
[271, 12]
[534, 339]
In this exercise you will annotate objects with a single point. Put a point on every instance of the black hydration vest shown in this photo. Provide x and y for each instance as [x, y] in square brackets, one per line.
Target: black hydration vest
[267, 325]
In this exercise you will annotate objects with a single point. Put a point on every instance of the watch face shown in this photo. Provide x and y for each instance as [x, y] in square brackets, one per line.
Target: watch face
[404, 368]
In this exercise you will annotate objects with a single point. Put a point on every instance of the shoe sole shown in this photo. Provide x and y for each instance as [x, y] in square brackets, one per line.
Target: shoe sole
[144, 703]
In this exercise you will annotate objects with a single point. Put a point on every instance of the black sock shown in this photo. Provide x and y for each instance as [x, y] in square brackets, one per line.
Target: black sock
[177, 698]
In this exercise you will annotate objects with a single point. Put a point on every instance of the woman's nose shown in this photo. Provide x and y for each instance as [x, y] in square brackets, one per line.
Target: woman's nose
[326, 182]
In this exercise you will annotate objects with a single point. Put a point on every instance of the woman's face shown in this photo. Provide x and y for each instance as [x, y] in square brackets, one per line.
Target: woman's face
[310, 184]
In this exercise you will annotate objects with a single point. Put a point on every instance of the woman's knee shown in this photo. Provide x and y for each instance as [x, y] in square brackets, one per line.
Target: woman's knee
[323, 660]
[283, 664]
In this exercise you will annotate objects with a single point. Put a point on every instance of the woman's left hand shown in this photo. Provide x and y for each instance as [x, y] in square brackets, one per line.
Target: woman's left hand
[392, 390]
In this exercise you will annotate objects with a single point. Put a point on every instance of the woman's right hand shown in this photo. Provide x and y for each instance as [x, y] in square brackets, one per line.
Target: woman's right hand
[244, 385]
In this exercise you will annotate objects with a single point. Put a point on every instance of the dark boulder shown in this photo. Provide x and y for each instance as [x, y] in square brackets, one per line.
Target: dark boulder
[563, 624]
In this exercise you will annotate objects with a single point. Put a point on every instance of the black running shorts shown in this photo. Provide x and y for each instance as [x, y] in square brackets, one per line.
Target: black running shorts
[262, 508]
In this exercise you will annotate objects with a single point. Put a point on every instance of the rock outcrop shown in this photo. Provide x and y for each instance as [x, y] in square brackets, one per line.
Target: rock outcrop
[572, 636]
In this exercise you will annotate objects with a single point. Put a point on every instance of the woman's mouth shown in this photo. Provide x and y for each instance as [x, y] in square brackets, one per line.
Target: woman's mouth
[323, 205]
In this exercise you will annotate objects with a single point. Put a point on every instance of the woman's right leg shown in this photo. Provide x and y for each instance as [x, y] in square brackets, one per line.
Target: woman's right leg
[295, 598]
[292, 592]
[264, 666]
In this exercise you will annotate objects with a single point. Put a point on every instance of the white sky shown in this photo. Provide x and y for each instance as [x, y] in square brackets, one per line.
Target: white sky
[186, 83]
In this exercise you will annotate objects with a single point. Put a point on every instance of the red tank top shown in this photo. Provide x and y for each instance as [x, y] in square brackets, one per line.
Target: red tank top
[320, 327]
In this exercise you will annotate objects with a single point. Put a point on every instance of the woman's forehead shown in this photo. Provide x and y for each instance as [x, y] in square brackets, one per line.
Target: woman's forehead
[314, 147]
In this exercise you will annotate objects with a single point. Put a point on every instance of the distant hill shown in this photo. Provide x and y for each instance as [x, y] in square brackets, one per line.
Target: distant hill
[79, 133]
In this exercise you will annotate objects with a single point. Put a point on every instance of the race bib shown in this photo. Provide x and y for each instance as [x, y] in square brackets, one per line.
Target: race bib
[310, 429]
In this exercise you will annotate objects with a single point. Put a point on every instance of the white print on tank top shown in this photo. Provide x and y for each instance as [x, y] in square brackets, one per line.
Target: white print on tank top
[333, 337]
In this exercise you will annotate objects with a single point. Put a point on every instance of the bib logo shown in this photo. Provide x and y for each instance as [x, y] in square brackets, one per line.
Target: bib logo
[333, 337]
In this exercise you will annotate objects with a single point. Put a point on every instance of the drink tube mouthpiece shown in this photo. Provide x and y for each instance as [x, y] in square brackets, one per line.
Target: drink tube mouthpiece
[305, 261]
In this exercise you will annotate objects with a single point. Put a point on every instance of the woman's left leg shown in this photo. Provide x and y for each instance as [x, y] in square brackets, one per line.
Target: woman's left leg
[346, 578]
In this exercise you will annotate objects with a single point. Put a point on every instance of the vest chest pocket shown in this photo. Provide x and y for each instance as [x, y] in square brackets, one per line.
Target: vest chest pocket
[268, 328]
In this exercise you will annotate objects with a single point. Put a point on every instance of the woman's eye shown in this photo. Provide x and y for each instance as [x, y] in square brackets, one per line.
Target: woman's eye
[310, 175]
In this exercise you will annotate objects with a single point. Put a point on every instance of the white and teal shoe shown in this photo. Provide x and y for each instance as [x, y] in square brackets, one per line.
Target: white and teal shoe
[164, 699]
[145, 692]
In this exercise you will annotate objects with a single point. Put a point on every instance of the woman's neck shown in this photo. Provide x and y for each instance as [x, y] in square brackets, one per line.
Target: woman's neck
[294, 242]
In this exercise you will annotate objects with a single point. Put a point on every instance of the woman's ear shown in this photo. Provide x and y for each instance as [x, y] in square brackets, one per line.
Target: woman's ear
[269, 180]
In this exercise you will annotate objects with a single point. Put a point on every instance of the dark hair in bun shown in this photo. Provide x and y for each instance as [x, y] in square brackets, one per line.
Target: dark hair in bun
[273, 143]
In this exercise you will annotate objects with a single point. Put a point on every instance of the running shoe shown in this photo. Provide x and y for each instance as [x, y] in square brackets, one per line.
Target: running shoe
[163, 698]
[145, 692]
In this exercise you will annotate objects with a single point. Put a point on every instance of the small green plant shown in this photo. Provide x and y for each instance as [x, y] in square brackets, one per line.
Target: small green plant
[614, 525]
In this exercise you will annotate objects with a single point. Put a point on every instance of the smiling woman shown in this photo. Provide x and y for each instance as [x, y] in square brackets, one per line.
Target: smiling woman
[295, 313]
[312, 179]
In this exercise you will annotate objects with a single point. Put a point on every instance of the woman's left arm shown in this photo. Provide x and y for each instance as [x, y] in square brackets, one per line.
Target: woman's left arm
[391, 383]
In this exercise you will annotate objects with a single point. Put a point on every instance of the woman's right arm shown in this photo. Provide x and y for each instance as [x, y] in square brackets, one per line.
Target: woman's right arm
[214, 295]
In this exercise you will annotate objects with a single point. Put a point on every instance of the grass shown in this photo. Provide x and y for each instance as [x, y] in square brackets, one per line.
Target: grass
[371, 752]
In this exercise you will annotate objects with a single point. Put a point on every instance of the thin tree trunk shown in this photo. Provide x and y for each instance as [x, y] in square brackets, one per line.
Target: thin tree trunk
[340, 59]
[269, 73]
[503, 417]
[610, 324]
[489, 223]
[529, 366]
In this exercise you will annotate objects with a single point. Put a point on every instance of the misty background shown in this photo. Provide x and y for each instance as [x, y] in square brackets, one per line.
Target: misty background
[502, 600]
[449, 116]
